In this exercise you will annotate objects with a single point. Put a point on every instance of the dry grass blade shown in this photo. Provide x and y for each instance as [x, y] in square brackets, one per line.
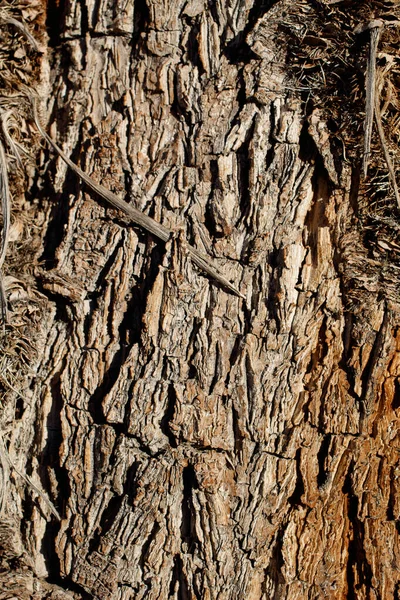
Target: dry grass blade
[5, 475]
[372, 106]
[381, 133]
[6, 210]
[14, 146]
[22, 29]
[3, 301]
[5, 204]
[6, 464]
[136, 216]
[39, 492]
[370, 88]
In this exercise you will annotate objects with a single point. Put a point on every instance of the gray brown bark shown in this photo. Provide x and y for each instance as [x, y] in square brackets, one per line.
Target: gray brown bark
[198, 445]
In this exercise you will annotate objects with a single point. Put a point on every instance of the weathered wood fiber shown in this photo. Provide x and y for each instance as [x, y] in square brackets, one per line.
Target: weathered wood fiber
[197, 445]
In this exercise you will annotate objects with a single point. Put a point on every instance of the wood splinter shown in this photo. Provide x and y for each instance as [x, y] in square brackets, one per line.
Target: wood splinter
[135, 215]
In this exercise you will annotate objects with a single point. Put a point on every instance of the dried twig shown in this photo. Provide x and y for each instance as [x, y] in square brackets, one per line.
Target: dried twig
[136, 216]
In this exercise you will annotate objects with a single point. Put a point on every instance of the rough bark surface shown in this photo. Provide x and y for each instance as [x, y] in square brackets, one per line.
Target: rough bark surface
[197, 445]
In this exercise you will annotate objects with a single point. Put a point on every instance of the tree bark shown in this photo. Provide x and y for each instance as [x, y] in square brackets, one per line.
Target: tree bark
[198, 445]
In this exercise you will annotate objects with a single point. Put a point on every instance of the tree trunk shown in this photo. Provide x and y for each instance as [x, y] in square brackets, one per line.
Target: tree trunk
[198, 445]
